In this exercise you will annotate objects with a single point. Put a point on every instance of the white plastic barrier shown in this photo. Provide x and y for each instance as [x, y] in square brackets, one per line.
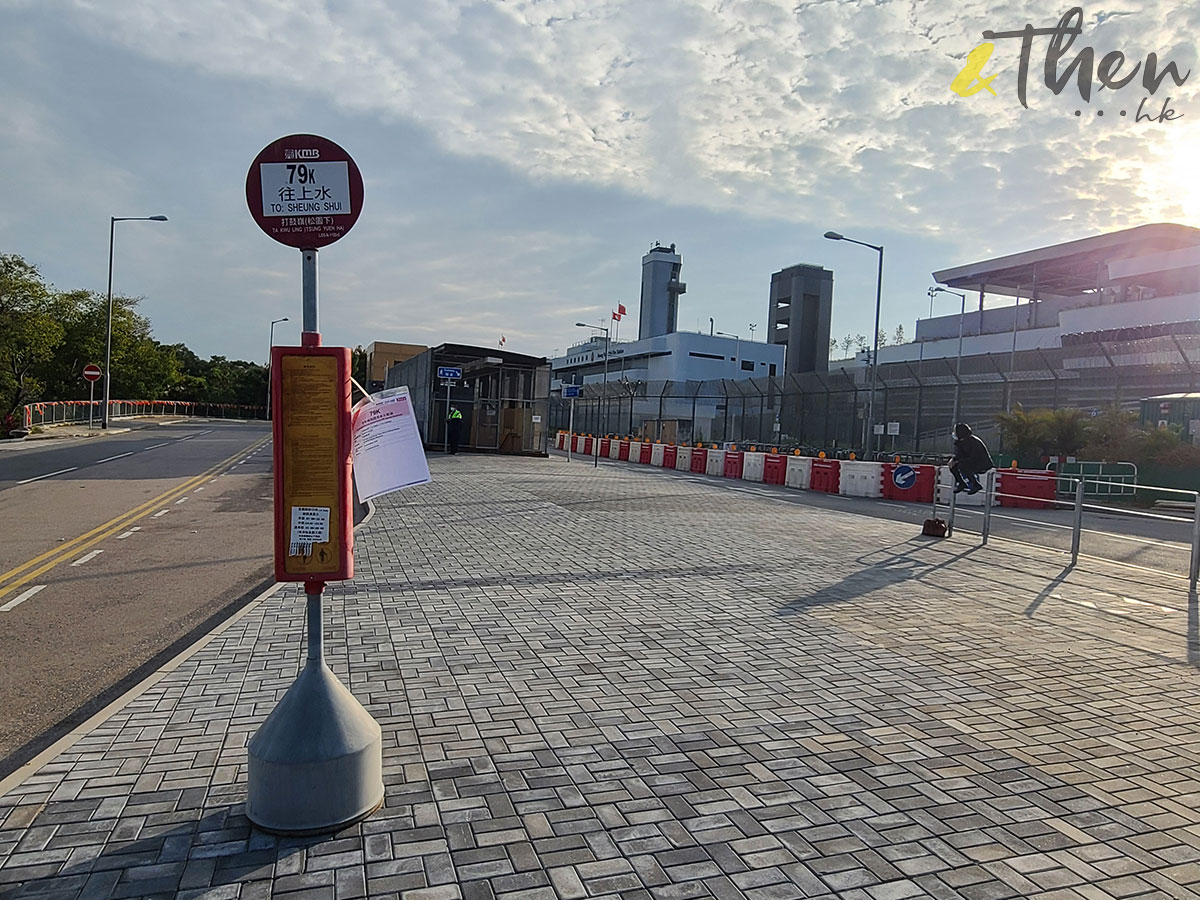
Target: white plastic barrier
[683, 459]
[715, 464]
[946, 488]
[752, 466]
[635, 451]
[799, 472]
[614, 449]
[861, 479]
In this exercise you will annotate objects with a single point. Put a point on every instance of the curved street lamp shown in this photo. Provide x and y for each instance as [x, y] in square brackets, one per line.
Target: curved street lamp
[869, 442]
[271, 347]
[958, 363]
[605, 329]
[737, 351]
[112, 225]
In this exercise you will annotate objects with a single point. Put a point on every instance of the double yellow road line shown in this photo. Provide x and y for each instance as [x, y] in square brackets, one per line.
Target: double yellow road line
[39, 565]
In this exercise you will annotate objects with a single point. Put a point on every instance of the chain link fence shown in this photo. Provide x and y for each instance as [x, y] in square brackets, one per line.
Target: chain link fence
[829, 410]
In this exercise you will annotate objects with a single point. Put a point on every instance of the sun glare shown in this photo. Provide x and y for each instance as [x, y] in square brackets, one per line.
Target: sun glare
[1172, 179]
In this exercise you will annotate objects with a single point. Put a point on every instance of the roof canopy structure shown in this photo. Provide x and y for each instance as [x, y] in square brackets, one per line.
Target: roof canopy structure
[1070, 269]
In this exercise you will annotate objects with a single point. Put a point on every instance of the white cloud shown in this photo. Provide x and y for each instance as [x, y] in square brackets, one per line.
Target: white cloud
[520, 155]
[725, 104]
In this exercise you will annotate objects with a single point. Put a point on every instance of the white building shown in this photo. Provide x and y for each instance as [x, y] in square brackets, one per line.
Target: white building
[678, 356]
[1148, 275]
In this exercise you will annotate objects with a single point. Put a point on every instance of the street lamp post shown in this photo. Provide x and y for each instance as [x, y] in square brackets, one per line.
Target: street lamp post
[604, 394]
[271, 347]
[737, 351]
[958, 362]
[112, 226]
[870, 442]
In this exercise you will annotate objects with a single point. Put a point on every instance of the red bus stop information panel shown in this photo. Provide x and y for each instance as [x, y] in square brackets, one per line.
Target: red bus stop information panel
[314, 530]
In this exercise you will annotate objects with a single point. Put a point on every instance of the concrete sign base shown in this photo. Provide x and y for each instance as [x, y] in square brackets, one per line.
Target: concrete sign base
[316, 764]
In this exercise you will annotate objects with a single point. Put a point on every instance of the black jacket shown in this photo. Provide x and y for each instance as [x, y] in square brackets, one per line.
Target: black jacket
[972, 454]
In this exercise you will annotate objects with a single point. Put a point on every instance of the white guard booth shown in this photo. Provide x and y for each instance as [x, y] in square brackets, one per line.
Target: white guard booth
[752, 466]
[799, 472]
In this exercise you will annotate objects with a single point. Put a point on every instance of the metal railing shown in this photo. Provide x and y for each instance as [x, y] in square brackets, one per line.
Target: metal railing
[1077, 504]
[80, 412]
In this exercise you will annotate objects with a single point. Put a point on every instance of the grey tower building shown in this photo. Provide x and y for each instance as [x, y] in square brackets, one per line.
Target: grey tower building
[661, 288]
[801, 305]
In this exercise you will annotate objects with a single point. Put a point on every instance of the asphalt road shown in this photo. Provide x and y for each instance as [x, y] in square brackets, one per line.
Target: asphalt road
[117, 552]
[1159, 543]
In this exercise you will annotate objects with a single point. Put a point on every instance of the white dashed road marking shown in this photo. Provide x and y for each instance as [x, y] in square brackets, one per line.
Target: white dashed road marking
[21, 598]
[86, 557]
[48, 475]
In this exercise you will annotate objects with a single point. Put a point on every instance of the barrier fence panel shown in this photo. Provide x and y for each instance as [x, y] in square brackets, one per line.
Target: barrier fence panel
[1014, 488]
[61, 412]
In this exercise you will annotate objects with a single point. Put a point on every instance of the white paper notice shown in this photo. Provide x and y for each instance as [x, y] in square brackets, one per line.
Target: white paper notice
[386, 445]
[310, 525]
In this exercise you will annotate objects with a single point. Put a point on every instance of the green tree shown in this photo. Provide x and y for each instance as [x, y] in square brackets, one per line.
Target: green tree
[47, 337]
[1066, 431]
[1025, 432]
[29, 334]
[358, 365]
[1114, 435]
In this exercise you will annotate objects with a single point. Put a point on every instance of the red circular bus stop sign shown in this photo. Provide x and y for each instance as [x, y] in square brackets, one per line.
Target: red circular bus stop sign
[304, 191]
[92, 372]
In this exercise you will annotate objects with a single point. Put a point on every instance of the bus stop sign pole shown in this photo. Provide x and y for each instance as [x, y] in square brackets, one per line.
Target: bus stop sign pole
[316, 764]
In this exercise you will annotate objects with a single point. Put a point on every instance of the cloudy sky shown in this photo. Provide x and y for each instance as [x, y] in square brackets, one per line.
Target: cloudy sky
[520, 157]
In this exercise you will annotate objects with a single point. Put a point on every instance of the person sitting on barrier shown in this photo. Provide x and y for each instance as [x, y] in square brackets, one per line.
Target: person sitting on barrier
[971, 459]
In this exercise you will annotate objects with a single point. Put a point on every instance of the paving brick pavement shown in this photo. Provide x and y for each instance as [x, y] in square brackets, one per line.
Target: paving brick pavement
[615, 683]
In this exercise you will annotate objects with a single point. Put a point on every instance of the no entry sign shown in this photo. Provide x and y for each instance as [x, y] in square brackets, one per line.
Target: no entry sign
[92, 372]
[304, 191]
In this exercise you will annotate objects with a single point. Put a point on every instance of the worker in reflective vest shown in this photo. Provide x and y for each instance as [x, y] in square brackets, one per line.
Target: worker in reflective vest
[454, 426]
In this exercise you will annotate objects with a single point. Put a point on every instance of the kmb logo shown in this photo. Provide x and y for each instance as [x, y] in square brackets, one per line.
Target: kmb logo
[971, 80]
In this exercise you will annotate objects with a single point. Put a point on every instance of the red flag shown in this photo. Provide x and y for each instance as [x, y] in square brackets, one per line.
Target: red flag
[616, 317]
[621, 309]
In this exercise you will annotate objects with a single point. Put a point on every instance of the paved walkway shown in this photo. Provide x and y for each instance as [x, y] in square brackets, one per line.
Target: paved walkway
[624, 684]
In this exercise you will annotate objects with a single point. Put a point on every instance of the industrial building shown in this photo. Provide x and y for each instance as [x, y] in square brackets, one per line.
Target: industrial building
[616, 373]
[1112, 318]
[800, 310]
[1107, 319]
[661, 287]
[662, 353]
[382, 355]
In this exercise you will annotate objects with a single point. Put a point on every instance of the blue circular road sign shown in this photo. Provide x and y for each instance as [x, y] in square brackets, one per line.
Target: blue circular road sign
[904, 477]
